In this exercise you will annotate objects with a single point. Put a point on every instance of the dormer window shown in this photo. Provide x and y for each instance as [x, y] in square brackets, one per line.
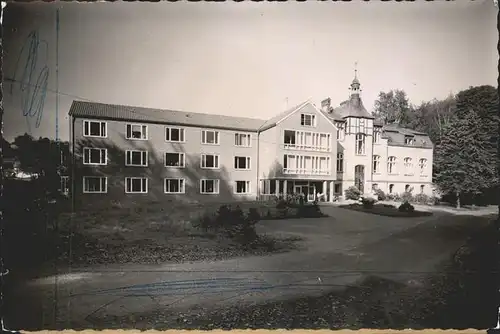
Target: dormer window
[409, 140]
[308, 120]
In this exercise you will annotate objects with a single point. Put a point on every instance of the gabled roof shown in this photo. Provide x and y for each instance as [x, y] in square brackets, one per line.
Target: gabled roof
[276, 119]
[139, 114]
[352, 108]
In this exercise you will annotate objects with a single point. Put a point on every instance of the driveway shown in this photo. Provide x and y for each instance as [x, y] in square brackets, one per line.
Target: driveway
[338, 251]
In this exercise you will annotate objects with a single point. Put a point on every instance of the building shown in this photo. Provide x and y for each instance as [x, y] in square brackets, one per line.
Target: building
[124, 152]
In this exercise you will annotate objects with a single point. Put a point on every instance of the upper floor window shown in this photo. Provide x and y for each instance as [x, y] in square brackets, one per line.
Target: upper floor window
[136, 185]
[242, 163]
[409, 140]
[391, 165]
[95, 156]
[137, 131]
[209, 161]
[422, 164]
[408, 166]
[95, 129]
[357, 125]
[210, 137]
[307, 120]
[136, 158]
[175, 159]
[360, 144]
[173, 134]
[376, 164]
[242, 139]
[376, 135]
[307, 140]
[95, 184]
[340, 162]
[341, 130]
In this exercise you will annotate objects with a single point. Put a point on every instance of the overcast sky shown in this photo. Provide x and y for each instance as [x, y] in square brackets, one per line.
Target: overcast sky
[245, 59]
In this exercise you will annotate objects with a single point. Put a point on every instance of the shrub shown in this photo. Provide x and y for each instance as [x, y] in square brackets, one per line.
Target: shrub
[309, 210]
[368, 203]
[352, 193]
[422, 199]
[407, 196]
[406, 207]
[253, 214]
[393, 197]
[380, 195]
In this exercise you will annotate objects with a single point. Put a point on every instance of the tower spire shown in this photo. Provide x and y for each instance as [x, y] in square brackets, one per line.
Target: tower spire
[355, 85]
[355, 70]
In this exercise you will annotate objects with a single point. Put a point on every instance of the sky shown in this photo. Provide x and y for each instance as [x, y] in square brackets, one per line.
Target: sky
[251, 59]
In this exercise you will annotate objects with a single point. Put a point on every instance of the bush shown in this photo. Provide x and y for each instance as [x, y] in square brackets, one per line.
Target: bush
[422, 199]
[407, 196]
[406, 207]
[393, 197]
[380, 195]
[352, 193]
[368, 203]
[309, 210]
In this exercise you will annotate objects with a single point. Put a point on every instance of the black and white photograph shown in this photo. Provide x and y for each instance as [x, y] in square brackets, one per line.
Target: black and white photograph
[250, 165]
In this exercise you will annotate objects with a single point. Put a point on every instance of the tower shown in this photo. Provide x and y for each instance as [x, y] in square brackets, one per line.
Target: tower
[355, 85]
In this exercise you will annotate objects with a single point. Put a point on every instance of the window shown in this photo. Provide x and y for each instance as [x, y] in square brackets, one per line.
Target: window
[64, 185]
[340, 162]
[360, 144]
[306, 140]
[208, 186]
[408, 166]
[242, 139]
[136, 185]
[422, 164]
[341, 130]
[407, 188]
[338, 188]
[374, 186]
[209, 161]
[357, 125]
[307, 120]
[242, 187]
[137, 131]
[289, 138]
[174, 186]
[376, 135]
[95, 156]
[242, 163]
[94, 129]
[136, 158]
[376, 164]
[174, 159]
[422, 187]
[391, 188]
[174, 134]
[306, 164]
[210, 137]
[95, 184]
[391, 165]
[268, 187]
[409, 140]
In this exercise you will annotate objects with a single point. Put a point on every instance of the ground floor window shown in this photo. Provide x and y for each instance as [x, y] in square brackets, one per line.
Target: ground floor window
[338, 188]
[95, 184]
[268, 187]
[422, 187]
[391, 188]
[174, 186]
[374, 186]
[64, 185]
[242, 187]
[136, 185]
[209, 186]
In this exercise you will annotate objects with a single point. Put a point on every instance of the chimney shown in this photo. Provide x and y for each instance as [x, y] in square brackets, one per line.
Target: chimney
[326, 105]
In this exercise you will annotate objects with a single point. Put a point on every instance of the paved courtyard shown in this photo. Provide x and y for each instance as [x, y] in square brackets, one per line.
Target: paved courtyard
[336, 252]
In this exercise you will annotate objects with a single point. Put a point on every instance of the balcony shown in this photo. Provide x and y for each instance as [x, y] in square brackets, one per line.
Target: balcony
[296, 147]
[303, 171]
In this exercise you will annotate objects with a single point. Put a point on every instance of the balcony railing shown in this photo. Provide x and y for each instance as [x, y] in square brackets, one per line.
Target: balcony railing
[304, 171]
[305, 148]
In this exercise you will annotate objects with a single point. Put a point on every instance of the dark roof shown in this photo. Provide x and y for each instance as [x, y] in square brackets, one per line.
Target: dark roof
[352, 108]
[140, 114]
[395, 135]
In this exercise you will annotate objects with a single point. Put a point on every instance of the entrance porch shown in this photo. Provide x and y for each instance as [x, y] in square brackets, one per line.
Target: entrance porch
[311, 189]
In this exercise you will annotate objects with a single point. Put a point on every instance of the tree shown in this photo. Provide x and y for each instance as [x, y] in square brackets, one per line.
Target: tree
[463, 163]
[393, 106]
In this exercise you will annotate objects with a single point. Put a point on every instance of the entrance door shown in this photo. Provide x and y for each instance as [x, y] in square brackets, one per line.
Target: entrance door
[303, 190]
[359, 178]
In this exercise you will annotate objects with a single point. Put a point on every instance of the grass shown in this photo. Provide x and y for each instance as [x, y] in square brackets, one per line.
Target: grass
[385, 210]
[457, 295]
[154, 234]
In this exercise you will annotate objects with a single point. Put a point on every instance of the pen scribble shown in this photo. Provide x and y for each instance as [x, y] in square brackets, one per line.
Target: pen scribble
[31, 82]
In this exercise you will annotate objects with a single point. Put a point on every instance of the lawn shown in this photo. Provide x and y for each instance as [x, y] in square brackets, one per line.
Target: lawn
[156, 233]
[385, 210]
